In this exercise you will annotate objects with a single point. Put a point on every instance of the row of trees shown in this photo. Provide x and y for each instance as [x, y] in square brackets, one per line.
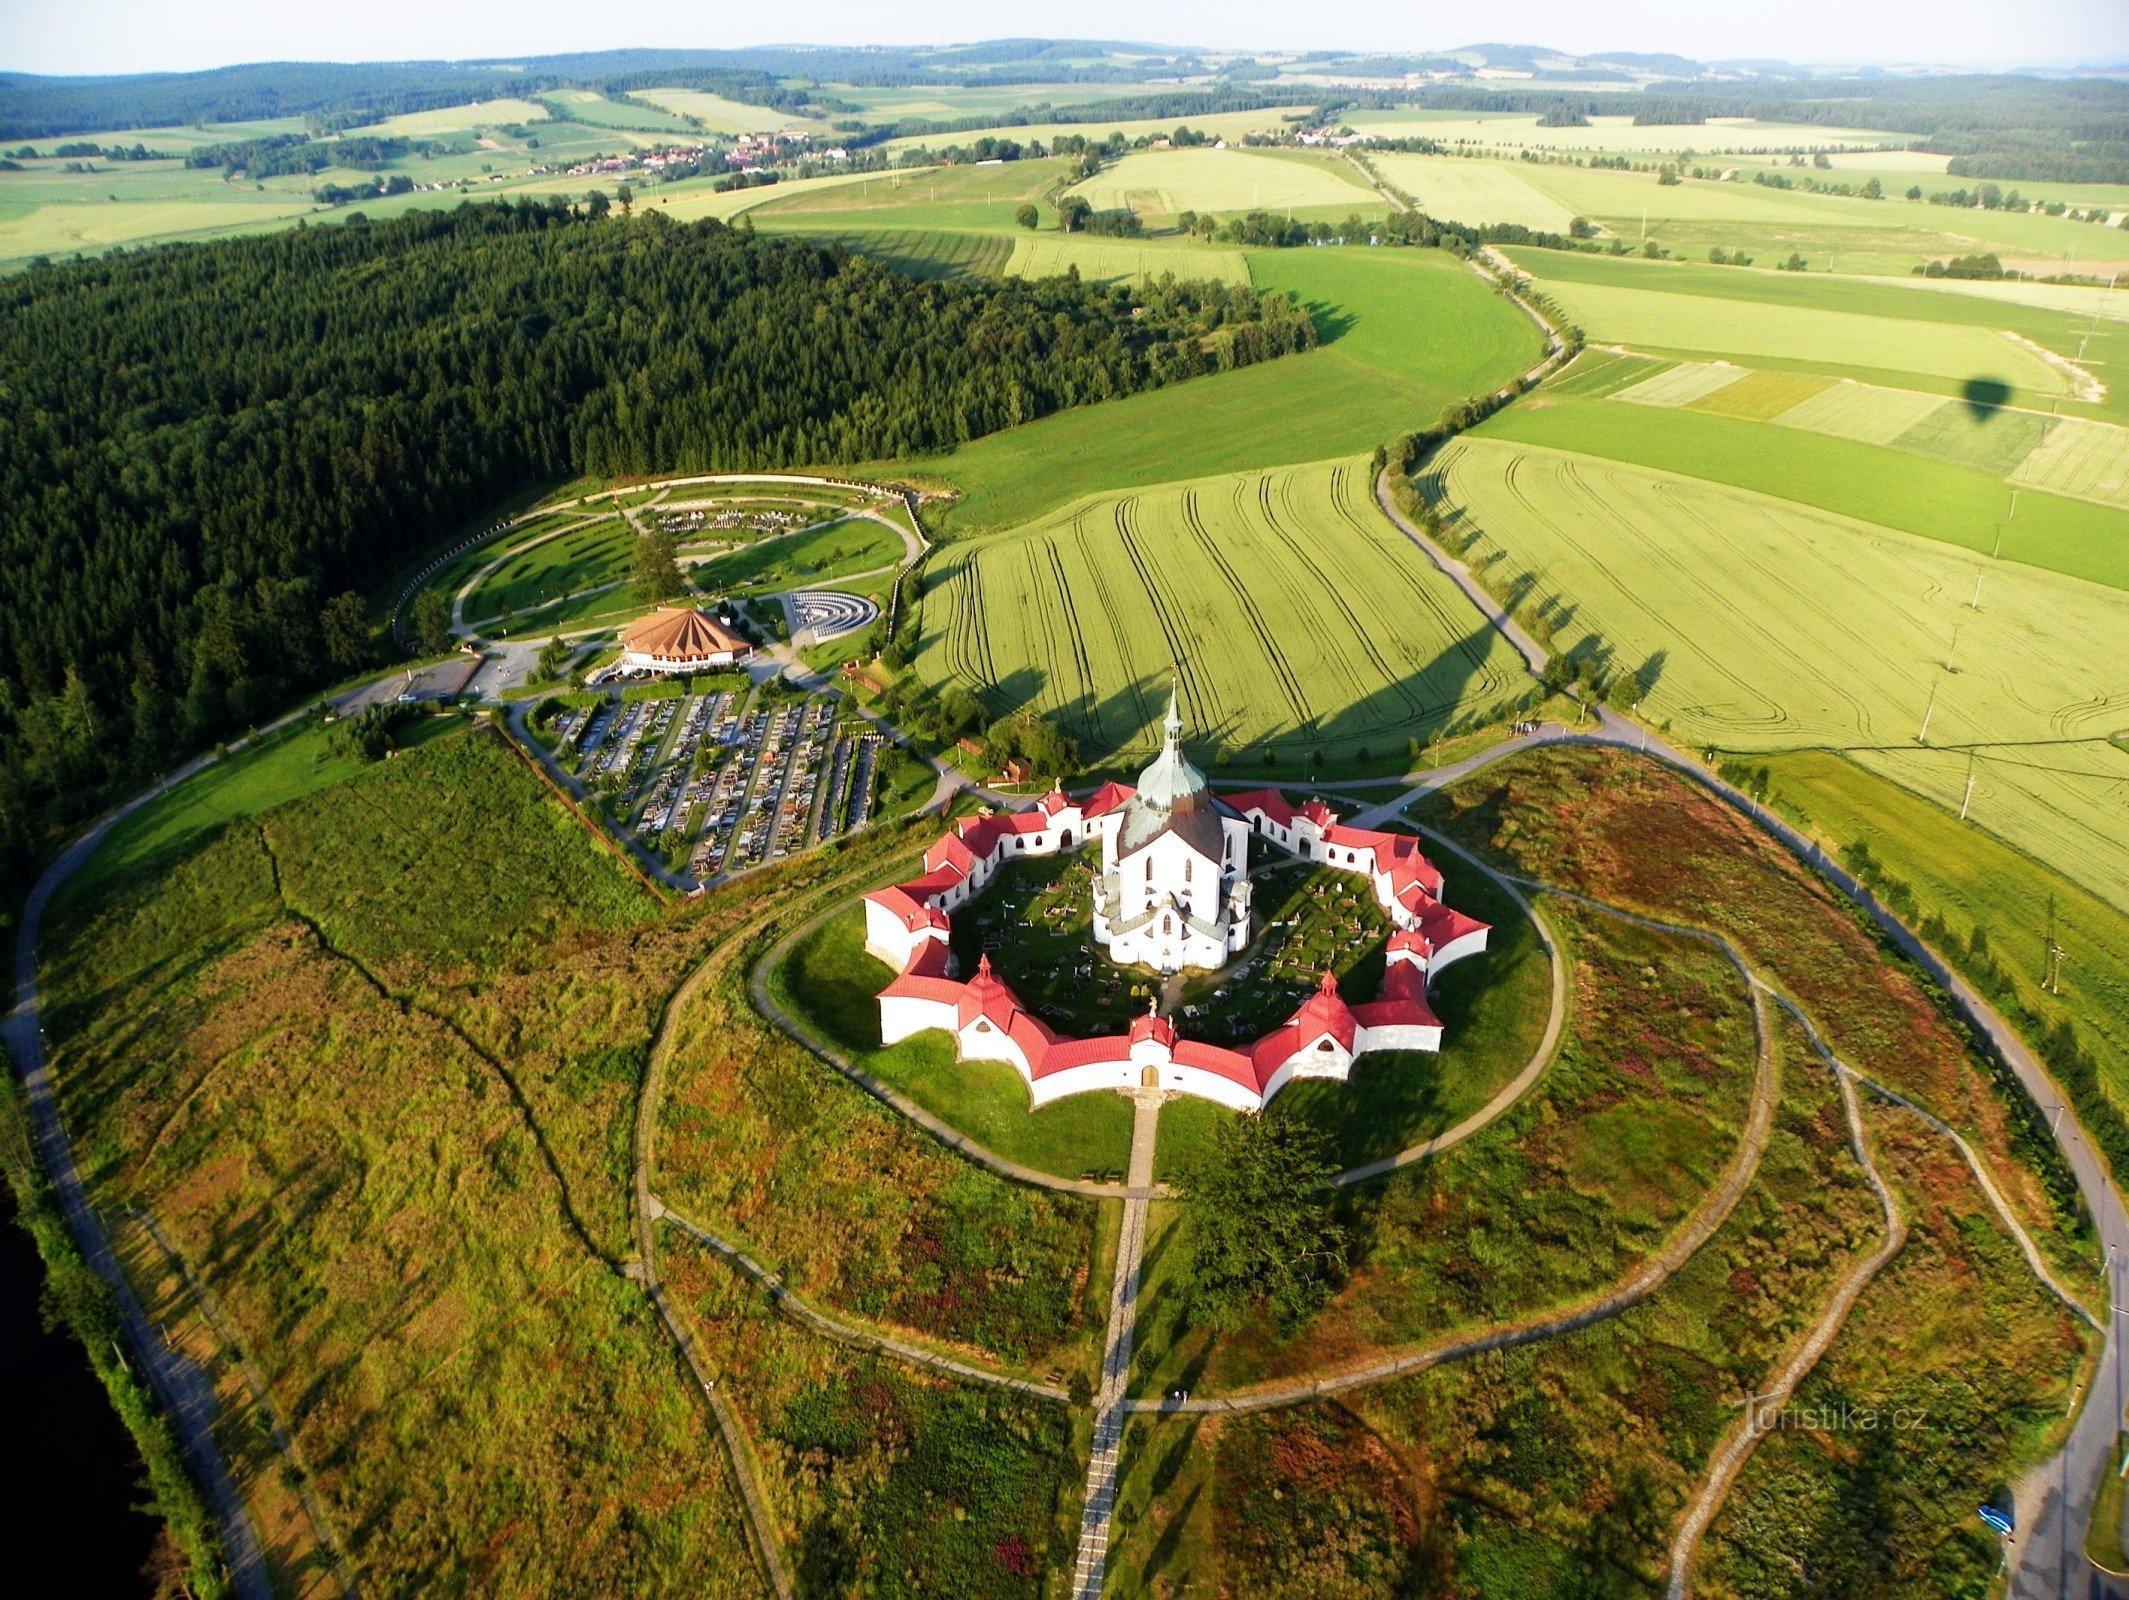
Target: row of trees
[213, 450]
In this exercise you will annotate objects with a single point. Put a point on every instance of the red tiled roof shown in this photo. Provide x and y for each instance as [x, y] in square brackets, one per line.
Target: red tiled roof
[1443, 923]
[931, 959]
[912, 986]
[1054, 802]
[1064, 1054]
[1159, 1029]
[915, 910]
[1106, 799]
[1269, 801]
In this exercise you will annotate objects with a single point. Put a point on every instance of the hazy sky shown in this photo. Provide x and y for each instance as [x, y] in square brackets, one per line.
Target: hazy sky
[92, 36]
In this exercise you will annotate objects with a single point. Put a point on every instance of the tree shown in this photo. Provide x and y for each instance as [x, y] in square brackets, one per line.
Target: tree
[1027, 216]
[657, 576]
[432, 622]
[1914, 191]
[1872, 189]
[627, 197]
[344, 631]
[596, 205]
[1256, 1200]
[1072, 213]
[1581, 228]
[554, 656]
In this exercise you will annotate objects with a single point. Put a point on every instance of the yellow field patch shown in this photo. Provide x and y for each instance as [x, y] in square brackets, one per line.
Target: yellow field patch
[1682, 384]
[1165, 182]
[1473, 190]
[1861, 411]
[1762, 396]
[2089, 460]
[717, 113]
[1047, 255]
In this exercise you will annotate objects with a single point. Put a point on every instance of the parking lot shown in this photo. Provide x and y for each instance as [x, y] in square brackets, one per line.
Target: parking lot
[724, 781]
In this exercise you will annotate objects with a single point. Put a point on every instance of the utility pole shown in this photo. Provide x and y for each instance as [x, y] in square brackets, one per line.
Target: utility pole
[2056, 955]
[1968, 798]
[1927, 712]
[1974, 604]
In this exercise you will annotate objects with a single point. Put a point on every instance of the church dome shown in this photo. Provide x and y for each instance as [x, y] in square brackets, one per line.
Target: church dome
[1171, 797]
[1171, 780]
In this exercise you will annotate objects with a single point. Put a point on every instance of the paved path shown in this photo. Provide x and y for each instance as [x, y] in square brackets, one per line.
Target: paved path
[1111, 1409]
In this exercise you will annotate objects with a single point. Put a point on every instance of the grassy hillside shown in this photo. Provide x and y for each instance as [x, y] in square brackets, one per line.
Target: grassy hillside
[1405, 333]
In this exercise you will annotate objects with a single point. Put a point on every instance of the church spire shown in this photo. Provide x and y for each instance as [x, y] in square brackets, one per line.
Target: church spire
[1173, 722]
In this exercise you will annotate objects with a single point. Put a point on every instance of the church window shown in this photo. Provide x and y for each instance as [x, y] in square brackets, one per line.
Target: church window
[1186, 869]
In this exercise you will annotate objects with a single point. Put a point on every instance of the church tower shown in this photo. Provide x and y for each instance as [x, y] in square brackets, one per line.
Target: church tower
[1174, 885]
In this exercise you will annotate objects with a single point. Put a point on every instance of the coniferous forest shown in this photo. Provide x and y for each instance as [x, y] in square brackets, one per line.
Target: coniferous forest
[205, 449]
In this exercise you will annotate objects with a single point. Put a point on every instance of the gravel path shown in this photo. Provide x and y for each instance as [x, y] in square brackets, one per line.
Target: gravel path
[790, 1305]
[1111, 1409]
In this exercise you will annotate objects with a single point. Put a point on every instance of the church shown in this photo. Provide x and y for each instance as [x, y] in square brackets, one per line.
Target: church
[1172, 893]
[1174, 885]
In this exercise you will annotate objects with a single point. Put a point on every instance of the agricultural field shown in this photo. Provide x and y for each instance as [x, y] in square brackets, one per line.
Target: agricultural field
[690, 202]
[1888, 661]
[1086, 612]
[1512, 131]
[1166, 182]
[1229, 125]
[596, 110]
[469, 118]
[968, 199]
[1457, 189]
[1834, 341]
[1921, 494]
[1404, 334]
[1044, 255]
[718, 114]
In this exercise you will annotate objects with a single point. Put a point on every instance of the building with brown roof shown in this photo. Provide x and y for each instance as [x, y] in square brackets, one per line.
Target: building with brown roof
[679, 639]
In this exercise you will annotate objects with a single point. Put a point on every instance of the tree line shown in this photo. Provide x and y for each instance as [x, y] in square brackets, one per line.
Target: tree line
[214, 450]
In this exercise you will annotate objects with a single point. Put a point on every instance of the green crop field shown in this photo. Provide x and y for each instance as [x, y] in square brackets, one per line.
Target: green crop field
[718, 114]
[920, 252]
[1777, 626]
[1457, 189]
[1042, 255]
[2086, 459]
[596, 110]
[1930, 496]
[2100, 344]
[1406, 333]
[1298, 618]
[1165, 182]
[693, 202]
[1649, 318]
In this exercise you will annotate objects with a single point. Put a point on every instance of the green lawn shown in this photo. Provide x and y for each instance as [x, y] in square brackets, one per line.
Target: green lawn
[801, 560]
[585, 558]
[1405, 334]
[829, 981]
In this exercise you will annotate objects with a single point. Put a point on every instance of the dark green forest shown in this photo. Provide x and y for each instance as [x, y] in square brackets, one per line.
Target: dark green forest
[206, 451]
